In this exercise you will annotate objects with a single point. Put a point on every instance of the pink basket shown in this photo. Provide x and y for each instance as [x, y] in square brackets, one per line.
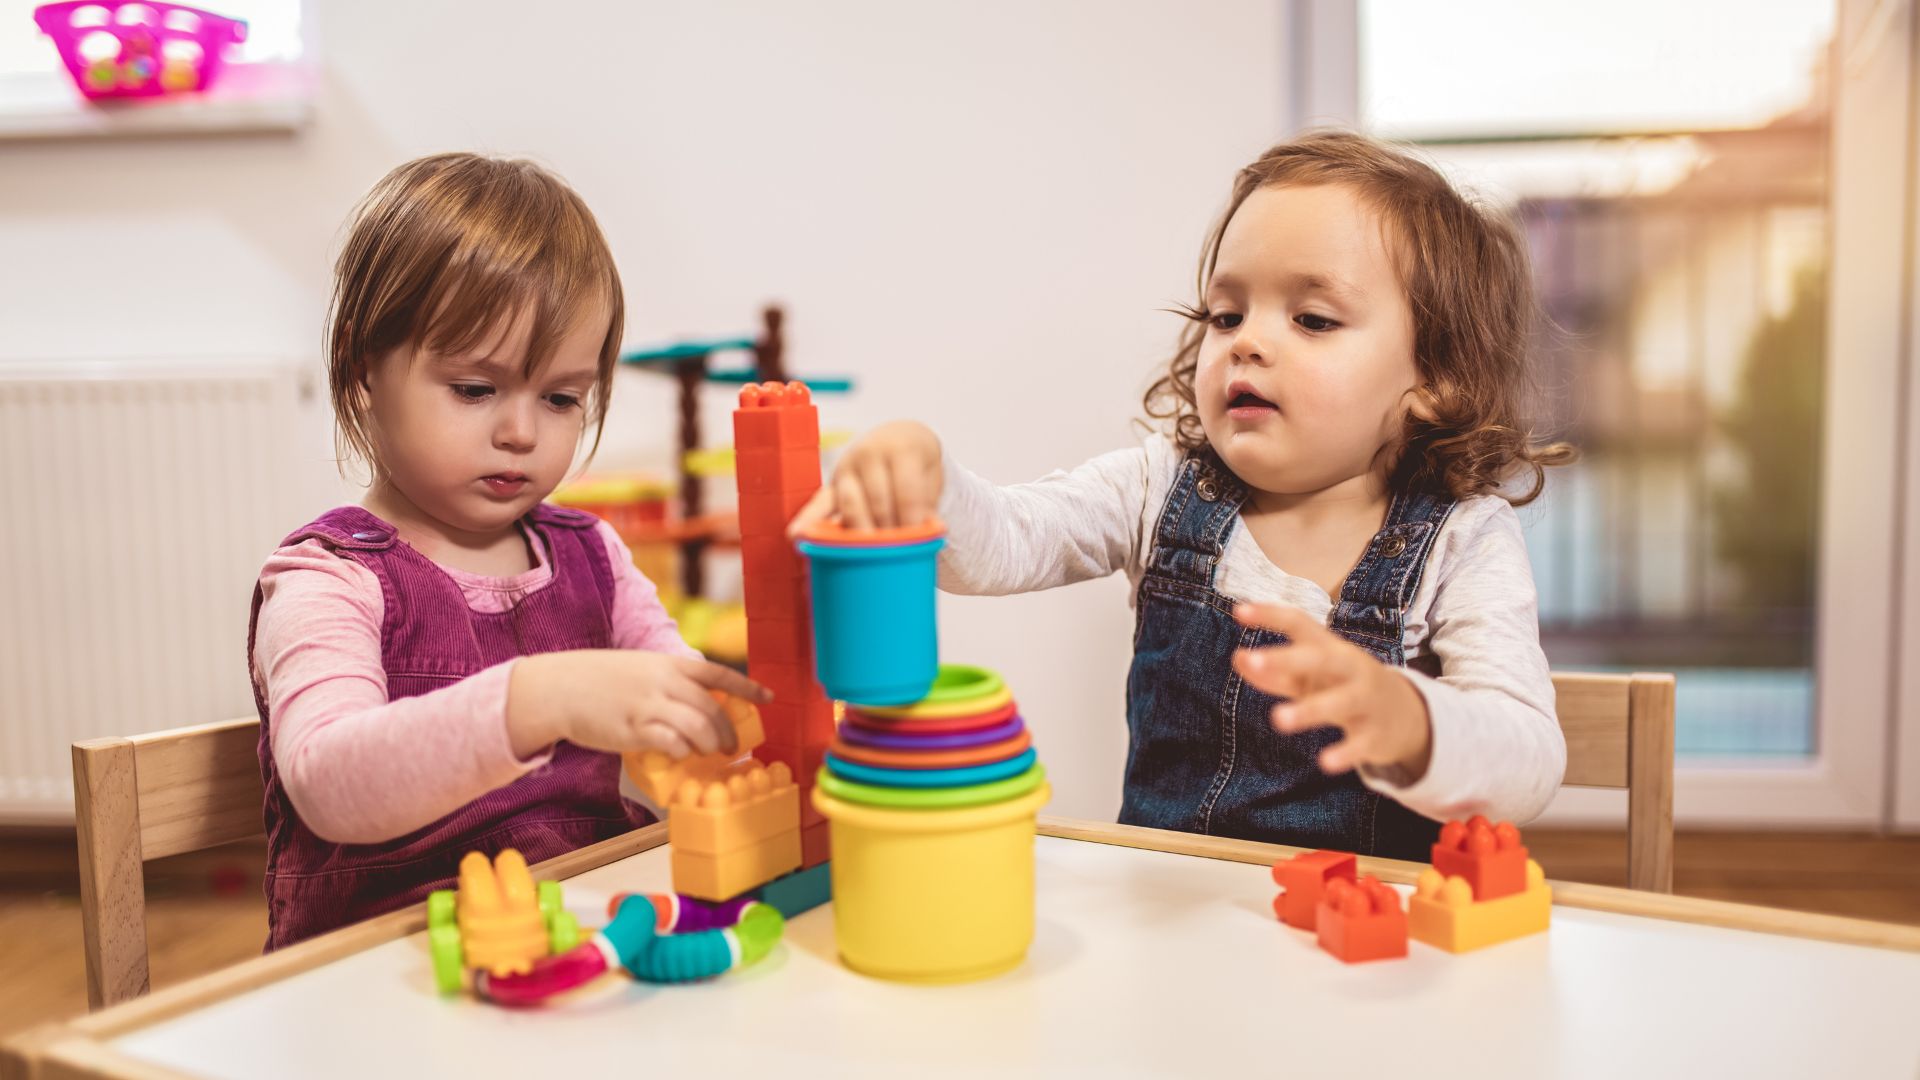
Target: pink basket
[138, 48]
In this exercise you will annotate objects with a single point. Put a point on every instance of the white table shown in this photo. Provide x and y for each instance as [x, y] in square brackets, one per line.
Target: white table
[1145, 963]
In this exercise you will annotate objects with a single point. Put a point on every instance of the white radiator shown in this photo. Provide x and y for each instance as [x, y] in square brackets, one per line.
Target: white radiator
[137, 503]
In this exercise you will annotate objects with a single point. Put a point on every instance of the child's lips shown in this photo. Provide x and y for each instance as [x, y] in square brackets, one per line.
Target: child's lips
[1246, 403]
[505, 484]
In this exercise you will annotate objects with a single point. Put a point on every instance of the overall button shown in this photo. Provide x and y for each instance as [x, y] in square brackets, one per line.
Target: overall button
[369, 537]
[1394, 547]
[1208, 489]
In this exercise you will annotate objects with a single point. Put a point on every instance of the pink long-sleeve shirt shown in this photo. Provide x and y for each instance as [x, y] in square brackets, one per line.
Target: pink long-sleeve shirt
[362, 769]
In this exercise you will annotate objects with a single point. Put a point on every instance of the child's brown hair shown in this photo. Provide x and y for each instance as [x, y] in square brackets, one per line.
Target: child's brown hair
[441, 251]
[1465, 271]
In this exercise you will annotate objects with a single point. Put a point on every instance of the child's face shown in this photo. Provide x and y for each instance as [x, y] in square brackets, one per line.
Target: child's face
[1308, 356]
[468, 439]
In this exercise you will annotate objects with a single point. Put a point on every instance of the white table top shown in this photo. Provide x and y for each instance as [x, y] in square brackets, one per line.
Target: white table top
[1144, 964]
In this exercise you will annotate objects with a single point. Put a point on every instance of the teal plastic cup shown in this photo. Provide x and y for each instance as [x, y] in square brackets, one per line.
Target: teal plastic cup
[875, 636]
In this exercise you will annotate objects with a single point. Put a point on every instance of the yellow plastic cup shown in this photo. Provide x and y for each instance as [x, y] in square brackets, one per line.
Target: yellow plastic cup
[933, 896]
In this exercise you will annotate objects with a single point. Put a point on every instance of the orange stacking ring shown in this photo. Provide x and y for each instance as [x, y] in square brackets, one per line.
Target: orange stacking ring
[835, 534]
[933, 759]
[943, 726]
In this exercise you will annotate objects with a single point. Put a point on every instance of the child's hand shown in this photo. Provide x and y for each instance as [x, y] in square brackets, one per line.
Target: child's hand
[1335, 682]
[622, 700]
[889, 478]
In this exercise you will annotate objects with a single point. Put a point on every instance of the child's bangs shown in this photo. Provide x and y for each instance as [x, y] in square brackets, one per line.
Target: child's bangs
[481, 295]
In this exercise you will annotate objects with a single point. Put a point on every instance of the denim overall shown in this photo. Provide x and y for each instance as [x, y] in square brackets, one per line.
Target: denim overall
[1204, 756]
[429, 639]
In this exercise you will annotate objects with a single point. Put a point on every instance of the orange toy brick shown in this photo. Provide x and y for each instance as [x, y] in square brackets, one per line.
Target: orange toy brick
[751, 806]
[776, 416]
[719, 878]
[1361, 920]
[1444, 914]
[768, 515]
[776, 470]
[780, 641]
[1305, 878]
[815, 846]
[1490, 857]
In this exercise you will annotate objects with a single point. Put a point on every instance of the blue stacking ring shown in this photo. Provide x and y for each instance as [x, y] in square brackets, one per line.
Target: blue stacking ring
[929, 778]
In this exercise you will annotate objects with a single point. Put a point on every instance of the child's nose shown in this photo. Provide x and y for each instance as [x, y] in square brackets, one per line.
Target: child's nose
[1249, 345]
[514, 428]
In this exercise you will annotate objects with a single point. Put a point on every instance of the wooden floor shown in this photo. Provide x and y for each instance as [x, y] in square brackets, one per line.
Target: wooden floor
[204, 911]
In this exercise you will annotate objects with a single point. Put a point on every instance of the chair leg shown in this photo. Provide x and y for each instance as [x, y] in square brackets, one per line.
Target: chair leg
[1650, 783]
[113, 901]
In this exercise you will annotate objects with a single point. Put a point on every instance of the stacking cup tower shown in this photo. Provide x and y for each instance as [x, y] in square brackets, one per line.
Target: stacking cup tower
[931, 783]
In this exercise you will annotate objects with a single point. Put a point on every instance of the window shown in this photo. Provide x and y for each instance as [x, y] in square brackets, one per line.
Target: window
[1669, 163]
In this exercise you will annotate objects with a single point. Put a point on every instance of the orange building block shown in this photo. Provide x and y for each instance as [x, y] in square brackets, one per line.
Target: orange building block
[780, 641]
[1361, 920]
[815, 847]
[1490, 857]
[1444, 914]
[1304, 879]
[768, 515]
[723, 877]
[772, 558]
[751, 807]
[776, 416]
[776, 470]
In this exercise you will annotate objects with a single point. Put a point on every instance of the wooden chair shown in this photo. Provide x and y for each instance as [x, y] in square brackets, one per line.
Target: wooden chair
[144, 798]
[1619, 731]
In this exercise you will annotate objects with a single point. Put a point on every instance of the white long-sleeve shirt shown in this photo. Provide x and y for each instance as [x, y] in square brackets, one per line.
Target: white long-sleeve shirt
[1497, 746]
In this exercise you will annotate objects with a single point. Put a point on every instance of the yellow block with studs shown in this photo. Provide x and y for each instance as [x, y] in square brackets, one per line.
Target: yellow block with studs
[1444, 914]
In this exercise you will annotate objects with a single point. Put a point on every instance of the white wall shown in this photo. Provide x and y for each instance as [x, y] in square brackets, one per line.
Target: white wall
[975, 209]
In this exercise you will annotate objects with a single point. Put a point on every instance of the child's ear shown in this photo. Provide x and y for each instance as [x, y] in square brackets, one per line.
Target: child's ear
[1423, 403]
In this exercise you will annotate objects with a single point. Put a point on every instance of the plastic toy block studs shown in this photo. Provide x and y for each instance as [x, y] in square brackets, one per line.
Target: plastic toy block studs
[752, 806]
[1490, 857]
[1304, 879]
[1361, 920]
[1444, 914]
[661, 778]
[776, 416]
[719, 877]
[500, 921]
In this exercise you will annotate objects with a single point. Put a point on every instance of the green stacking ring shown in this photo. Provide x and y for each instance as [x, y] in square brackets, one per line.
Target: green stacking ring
[951, 798]
[955, 684]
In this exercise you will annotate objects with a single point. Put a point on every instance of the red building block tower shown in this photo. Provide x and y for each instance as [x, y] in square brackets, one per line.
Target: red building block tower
[776, 440]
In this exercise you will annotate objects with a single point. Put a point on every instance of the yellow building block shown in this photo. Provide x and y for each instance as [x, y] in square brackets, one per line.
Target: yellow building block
[661, 777]
[754, 805]
[1444, 914]
[499, 914]
[725, 876]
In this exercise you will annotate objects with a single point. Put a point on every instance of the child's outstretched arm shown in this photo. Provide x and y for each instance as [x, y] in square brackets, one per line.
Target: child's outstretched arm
[362, 769]
[1480, 739]
[1062, 528]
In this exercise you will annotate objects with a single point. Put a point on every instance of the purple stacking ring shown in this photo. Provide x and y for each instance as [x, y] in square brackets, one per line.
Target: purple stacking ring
[886, 740]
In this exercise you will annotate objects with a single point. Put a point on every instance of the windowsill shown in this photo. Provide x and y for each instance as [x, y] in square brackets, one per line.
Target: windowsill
[249, 99]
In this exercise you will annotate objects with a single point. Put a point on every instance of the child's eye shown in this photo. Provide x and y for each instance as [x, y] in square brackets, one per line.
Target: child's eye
[563, 401]
[472, 391]
[1225, 320]
[1315, 323]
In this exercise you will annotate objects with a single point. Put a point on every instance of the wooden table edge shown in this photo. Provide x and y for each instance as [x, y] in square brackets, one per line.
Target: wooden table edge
[1685, 909]
[77, 1048]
